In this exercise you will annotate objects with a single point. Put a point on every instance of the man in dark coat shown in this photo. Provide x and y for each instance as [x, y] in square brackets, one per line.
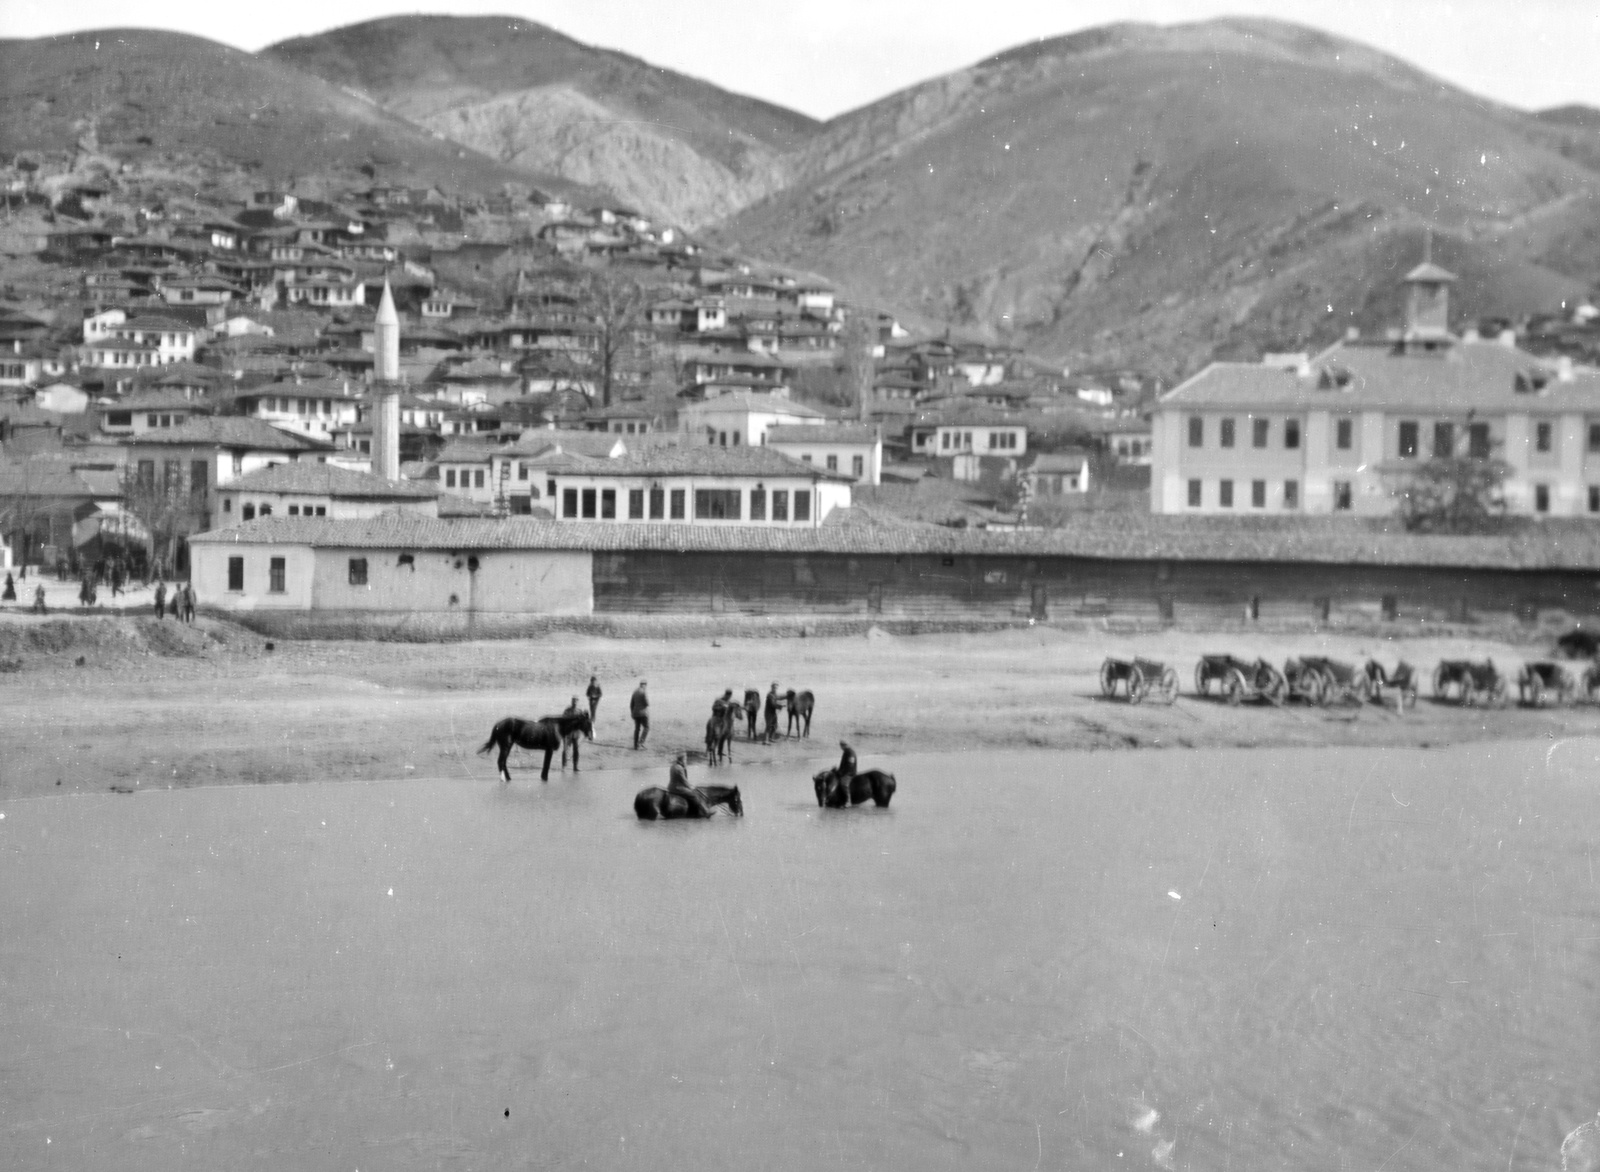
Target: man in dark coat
[161, 599]
[847, 762]
[593, 693]
[774, 703]
[678, 783]
[639, 706]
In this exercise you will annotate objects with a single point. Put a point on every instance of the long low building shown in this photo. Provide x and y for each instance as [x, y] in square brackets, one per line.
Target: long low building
[457, 576]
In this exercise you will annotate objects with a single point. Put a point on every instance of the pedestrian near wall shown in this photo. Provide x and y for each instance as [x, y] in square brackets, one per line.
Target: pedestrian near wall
[639, 706]
[10, 594]
[593, 693]
[161, 599]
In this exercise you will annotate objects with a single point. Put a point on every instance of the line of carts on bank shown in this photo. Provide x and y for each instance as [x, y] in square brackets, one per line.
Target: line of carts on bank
[1319, 680]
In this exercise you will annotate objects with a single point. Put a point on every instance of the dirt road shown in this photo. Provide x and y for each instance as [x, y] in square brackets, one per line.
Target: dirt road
[156, 705]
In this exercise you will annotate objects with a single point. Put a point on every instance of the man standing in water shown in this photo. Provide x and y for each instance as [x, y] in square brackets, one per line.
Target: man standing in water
[847, 763]
[678, 783]
[594, 699]
[639, 706]
[774, 702]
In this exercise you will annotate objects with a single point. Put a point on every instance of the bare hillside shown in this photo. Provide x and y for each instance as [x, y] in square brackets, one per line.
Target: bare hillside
[1156, 196]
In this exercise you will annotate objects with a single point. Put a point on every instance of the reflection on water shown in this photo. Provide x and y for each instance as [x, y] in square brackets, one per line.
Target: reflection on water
[1199, 960]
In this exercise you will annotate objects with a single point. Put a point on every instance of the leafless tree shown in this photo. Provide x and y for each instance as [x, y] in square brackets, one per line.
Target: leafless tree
[615, 304]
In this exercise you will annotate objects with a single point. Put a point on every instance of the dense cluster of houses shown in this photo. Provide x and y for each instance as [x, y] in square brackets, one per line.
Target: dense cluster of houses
[206, 347]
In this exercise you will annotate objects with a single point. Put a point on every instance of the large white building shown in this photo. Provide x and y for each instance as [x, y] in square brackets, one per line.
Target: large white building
[1337, 433]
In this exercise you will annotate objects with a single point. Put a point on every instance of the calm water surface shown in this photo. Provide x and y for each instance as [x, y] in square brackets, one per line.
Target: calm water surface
[1183, 960]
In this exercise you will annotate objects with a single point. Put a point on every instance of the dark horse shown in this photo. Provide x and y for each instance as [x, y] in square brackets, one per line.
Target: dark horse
[548, 734]
[655, 802]
[833, 793]
[719, 736]
[799, 705]
[752, 709]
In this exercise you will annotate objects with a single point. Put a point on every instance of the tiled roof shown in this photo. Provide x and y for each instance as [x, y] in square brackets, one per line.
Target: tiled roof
[330, 480]
[1465, 376]
[578, 443]
[824, 433]
[231, 431]
[1142, 537]
[701, 461]
[751, 401]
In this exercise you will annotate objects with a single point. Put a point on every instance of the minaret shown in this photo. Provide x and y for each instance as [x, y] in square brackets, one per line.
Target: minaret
[386, 389]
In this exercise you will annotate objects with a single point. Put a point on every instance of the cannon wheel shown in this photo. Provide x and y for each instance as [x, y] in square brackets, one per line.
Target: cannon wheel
[1535, 690]
[1361, 688]
[1169, 685]
[1439, 683]
[1200, 678]
[1233, 688]
[1277, 689]
[1469, 693]
[1408, 697]
[1137, 686]
[1108, 682]
[1497, 691]
[1313, 687]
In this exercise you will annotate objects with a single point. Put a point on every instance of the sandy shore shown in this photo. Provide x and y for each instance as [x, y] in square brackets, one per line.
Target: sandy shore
[212, 706]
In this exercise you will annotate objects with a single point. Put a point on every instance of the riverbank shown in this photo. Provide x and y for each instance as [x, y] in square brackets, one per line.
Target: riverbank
[157, 704]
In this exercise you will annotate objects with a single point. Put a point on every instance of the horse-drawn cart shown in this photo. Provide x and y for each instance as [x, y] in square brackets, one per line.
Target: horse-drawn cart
[1545, 682]
[1320, 680]
[1466, 682]
[1240, 679]
[1140, 677]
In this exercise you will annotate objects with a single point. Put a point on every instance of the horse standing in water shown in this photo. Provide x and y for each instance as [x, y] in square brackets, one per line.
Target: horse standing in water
[719, 736]
[548, 734]
[654, 802]
[834, 792]
[799, 705]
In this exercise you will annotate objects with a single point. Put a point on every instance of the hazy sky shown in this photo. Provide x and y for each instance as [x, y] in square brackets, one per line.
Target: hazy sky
[823, 57]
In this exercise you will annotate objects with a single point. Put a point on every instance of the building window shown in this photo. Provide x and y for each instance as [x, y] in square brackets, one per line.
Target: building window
[266, 510]
[636, 504]
[944, 437]
[322, 510]
[294, 510]
[658, 504]
[569, 502]
[1258, 432]
[1291, 494]
[858, 466]
[1258, 494]
[833, 461]
[1344, 435]
[358, 571]
[1478, 441]
[1225, 433]
[1225, 493]
[275, 576]
[608, 504]
[197, 478]
[1541, 498]
[477, 478]
[449, 477]
[1542, 433]
[248, 512]
[1444, 440]
[1594, 435]
[676, 505]
[1594, 498]
[1341, 496]
[1408, 439]
[150, 420]
[758, 504]
[1291, 433]
[1194, 494]
[236, 574]
[588, 504]
[227, 504]
[780, 504]
[1197, 431]
[550, 488]
[717, 504]
[802, 505]
[522, 472]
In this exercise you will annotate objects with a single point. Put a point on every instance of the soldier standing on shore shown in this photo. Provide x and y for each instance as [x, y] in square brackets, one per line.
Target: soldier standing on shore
[639, 706]
[161, 599]
[593, 692]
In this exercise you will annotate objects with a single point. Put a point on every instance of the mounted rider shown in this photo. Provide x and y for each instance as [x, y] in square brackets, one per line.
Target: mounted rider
[678, 783]
[847, 762]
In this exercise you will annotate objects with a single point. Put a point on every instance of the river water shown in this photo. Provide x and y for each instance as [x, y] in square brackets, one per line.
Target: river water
[1321, 959]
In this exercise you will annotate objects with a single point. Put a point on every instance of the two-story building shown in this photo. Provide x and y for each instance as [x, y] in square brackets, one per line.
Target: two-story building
[319, 408]
[742, 418]
[1341, 432]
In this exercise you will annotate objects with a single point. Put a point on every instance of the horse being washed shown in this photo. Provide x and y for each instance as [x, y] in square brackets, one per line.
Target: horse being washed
[719, 735]
[654, 802]
[799, 705]
[548, 734]
[834, 792]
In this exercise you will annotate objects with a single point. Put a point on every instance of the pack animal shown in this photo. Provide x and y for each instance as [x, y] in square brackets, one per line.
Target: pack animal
[548, 734]
[835, 792]
[719, 736]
